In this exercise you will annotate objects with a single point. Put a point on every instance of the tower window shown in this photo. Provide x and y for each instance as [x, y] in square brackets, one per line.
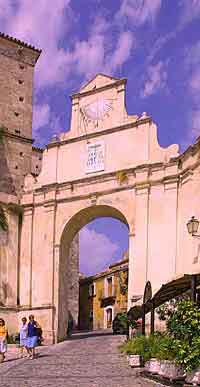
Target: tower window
[36, 166]
[21, 99]
[17, 131]
[16, 114]
[21, 67]
[16, 166]
[21, 154]
[20, 81]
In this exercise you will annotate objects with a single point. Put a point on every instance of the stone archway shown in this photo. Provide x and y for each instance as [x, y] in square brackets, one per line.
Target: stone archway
[68, 267]
[107, 161]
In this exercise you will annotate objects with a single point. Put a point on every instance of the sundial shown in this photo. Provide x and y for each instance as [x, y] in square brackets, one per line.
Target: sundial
[96, 111]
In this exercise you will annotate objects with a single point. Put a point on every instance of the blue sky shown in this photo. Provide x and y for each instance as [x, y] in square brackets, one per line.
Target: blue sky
[153, 43]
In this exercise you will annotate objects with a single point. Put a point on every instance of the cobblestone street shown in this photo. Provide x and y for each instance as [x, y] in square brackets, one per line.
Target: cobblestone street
[86, 360]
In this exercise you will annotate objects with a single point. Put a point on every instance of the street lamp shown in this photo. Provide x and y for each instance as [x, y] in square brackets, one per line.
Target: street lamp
[192, 226]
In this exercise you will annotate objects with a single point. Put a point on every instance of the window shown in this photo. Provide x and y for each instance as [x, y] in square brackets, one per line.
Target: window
[21, 99]
[109, 281]
[92, 290]
[91, 314]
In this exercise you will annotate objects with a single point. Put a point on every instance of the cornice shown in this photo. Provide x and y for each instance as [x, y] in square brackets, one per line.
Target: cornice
[100, 133]
[19, 51]
[6, 133]
[19, 42]
[177, 178]
[99, 89]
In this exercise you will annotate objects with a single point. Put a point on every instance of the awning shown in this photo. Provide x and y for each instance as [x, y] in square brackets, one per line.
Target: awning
[174, 289]
[168, 291]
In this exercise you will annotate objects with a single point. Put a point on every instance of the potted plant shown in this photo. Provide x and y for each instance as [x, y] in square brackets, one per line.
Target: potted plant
[153, 364]
[137, 350]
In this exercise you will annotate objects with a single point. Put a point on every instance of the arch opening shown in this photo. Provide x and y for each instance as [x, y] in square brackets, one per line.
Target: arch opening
[68, 301]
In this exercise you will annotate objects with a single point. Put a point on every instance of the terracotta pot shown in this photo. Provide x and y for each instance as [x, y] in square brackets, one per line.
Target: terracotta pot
[170, 370]
[194, 377]
[135, 360]
[154, 365]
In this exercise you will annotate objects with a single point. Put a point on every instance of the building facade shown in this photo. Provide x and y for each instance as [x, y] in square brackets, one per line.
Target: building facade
[109, 163]
[102, 296]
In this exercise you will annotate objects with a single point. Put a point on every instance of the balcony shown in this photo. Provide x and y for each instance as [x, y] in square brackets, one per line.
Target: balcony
[108, 297]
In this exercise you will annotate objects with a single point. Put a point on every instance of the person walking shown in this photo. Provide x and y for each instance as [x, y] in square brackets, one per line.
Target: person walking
[23, 337]
[3, 339]
[32, 338]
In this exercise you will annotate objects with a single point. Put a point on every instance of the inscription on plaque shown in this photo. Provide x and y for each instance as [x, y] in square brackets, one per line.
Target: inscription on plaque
[95, 157]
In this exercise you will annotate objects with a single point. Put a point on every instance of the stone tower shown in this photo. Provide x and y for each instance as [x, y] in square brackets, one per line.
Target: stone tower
[17, 157]
[17, 61]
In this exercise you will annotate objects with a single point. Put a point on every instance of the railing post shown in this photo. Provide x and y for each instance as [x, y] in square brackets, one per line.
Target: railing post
[194, 288]
[143, 319]
[152, 317]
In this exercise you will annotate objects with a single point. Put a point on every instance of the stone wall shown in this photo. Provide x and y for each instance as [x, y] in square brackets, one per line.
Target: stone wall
[73, 280]
[36, 166]
[17, 62]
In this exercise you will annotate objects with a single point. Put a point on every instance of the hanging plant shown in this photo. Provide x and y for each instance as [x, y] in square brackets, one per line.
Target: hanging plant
[121, 177]
[16, 208]
[123, 283]
[3, 220]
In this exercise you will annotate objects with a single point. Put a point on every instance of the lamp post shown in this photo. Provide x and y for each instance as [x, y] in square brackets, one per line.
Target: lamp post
[192, 226]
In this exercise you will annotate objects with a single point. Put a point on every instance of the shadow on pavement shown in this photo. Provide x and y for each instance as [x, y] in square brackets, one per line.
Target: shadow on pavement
[89, 335]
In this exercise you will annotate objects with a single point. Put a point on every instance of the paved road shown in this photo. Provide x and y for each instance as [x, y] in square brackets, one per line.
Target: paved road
[84, 361]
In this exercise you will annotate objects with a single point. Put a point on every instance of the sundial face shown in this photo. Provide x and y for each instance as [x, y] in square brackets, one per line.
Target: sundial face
[96, 111]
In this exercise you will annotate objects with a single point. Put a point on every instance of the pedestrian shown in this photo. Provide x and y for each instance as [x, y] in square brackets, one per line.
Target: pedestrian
[23, 337]
[32, 339]
[3, 339]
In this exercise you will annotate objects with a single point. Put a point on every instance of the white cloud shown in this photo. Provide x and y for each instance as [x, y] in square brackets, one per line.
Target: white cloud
[89, 55]
[195, 120]
[190, 10]
[122, 51]
[192, 76]
[46, 27]
[195, 81]
[193, 128]
[96, 251]
[157, 77]
[43, 26]
[41, 115]
[140, 11]
[192, 65]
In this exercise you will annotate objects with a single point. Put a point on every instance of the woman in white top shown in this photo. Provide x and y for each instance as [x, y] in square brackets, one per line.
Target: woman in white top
[23, 334]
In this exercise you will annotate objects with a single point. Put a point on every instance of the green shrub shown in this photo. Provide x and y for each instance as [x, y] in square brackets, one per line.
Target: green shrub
[184, 323]
[184, 327]
[166, 348]
[158, 345]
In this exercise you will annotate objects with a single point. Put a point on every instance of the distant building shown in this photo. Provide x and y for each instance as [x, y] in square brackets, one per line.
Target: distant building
[103, 295]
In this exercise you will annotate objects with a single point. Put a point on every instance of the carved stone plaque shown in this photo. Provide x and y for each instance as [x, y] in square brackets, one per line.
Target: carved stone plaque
[95, 157]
